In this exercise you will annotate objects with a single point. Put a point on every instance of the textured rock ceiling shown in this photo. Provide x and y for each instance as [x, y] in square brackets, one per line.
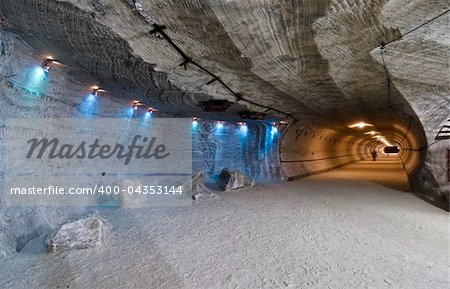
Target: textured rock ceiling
[314, 59]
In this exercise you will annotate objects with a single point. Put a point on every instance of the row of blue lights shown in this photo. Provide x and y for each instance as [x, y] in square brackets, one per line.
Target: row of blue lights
[243, 127]
[90, 101]
[38, 76]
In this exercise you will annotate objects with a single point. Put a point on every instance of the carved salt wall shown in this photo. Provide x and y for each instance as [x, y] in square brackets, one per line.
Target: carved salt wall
[27, 92]
[251, 148]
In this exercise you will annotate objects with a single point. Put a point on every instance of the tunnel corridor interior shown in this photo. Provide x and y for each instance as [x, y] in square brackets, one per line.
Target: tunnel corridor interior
[290, 107]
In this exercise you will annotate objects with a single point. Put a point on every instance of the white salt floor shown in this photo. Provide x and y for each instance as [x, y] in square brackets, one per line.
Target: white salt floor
[326, 231]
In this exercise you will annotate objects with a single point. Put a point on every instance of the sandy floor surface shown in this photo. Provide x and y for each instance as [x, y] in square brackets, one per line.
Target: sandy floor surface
[355, 227]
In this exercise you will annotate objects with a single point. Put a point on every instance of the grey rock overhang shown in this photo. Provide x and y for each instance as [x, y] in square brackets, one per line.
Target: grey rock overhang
[277, 54]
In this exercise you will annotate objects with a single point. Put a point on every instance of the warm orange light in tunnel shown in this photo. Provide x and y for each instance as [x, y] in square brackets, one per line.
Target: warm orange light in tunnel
[383, 140]
[372, 132]
[52, 60]
[96, 89]
[360, 124]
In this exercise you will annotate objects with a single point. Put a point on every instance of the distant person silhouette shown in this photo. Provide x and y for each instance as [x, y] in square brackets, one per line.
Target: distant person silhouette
[374, 155]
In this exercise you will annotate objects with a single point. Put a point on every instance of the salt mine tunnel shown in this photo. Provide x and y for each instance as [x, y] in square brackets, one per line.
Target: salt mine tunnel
[313, 137]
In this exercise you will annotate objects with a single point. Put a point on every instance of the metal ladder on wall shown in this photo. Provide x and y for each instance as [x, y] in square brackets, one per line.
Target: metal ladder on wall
[444, 132]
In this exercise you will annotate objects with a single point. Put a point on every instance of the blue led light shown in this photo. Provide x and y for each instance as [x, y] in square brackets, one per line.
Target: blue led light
[129, 112]
[274, 131]
[36, 78]
[146, 118]
[194, 124]
[39, 72]
[89, 106]
[243, 129]
[219, 128]
[91, 98]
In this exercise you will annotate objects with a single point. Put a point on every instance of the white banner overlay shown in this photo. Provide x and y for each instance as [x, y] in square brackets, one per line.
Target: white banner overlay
[98, 162]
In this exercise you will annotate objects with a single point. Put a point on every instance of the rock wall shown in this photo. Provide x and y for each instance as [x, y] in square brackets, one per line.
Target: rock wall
[25, 92]
[251, 148]
[419, 67]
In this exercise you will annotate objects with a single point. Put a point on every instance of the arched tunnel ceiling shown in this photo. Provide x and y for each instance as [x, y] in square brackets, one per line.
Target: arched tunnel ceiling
[313, 59]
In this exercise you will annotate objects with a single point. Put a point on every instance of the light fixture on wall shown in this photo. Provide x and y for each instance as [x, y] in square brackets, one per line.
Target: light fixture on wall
[195, 122]
[95, 90]
[372, 133]
[360, 124]
[219, 124]
[152, 109]
[47, 63]
[136, 104]
[382, 139]
[243, 129]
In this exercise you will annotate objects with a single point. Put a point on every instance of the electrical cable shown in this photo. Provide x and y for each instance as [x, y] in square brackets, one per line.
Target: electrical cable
[392, 40]
[158, 30]
[418, 27]
[388, 78]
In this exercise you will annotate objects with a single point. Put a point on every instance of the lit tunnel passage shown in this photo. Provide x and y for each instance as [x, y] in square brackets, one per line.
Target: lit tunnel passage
[290, 108]
[312, 148]
[316, 82]
[318, 147]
